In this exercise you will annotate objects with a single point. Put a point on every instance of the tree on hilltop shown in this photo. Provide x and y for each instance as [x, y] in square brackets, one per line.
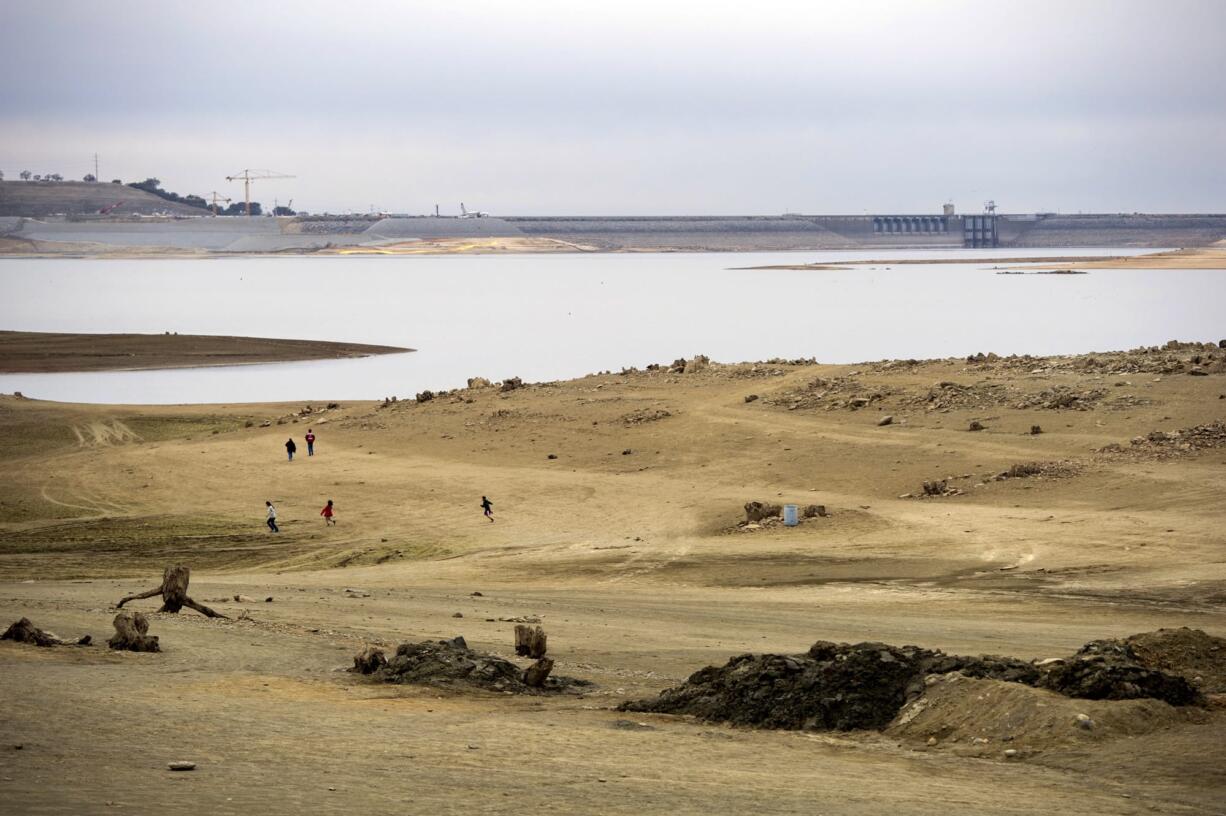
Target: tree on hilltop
[24, 175]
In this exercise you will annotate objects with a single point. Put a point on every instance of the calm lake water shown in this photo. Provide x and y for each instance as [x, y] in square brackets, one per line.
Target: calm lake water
[548, 317]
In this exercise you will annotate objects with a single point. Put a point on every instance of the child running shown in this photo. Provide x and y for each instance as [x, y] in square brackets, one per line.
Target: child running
[488, 507]
[272, 517]
[327, 513]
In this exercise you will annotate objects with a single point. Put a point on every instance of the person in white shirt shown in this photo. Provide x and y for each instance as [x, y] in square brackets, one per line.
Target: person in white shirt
[272, 517]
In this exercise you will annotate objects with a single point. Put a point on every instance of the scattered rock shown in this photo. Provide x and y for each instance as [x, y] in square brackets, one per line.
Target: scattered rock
[457, 614]
[511, 384]
[552, 456]
[976, 425]
[425, 396]
[181, 766]
[1035, 430]
[885, 420]
[751, 397]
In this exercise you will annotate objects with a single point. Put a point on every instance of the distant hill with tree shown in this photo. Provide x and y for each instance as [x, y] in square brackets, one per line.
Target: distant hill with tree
[42, 198]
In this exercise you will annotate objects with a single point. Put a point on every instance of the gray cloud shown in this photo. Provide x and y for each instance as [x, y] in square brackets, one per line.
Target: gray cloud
[633, 107]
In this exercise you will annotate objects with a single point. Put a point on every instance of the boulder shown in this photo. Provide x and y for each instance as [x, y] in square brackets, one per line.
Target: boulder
[511, 383]
[478, 382]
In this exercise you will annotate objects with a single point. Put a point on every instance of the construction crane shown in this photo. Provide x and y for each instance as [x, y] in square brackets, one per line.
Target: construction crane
[248, 176]
[217, 198]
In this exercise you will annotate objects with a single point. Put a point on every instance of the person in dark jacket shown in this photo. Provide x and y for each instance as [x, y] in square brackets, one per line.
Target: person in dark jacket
[488, 507]
[290, 447]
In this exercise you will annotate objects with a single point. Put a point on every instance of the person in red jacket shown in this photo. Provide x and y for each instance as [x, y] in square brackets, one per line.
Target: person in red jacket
[310, 440]
[327, 513]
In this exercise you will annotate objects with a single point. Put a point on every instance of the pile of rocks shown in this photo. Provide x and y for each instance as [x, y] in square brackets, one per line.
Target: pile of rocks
[1062, 397]
[643, 415]
[831, 394]
[1169, 444]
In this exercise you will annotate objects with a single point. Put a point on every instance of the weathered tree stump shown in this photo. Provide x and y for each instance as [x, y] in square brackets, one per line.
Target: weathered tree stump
[130, 634]
[25, 632]
[174, 593]
[536, 674]
[529, 641]
[757, 511]
[369, 660]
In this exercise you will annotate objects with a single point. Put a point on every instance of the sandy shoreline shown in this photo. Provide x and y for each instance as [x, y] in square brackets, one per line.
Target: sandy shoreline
[50, 352]
[620, 526]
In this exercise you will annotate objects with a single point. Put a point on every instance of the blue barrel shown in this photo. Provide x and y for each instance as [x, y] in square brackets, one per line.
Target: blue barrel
[791, 515]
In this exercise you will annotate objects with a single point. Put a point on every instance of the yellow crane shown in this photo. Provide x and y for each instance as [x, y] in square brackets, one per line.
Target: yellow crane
[248, 176]
[216, 198]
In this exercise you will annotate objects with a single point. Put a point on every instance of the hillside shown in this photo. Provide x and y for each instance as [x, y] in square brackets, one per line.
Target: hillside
[38, 199]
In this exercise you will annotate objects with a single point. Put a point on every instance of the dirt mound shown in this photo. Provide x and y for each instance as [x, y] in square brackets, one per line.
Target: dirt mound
[451, 664]
[985, 716]
[1189, 653]
[1107, 670]
[843, 687]
[832, 687]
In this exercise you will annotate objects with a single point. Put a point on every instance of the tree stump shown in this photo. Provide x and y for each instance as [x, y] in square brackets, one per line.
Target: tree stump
[25, 632]
[369, 660]
[530, 641]
[130, 634]
[536, 674]
[174, 593]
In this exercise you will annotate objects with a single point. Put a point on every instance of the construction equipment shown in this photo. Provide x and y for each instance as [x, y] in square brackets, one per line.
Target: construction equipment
[248, 176]
[107, 209]
[217, 198]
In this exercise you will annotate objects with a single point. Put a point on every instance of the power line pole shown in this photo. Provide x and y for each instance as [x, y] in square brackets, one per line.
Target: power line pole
[95, 167]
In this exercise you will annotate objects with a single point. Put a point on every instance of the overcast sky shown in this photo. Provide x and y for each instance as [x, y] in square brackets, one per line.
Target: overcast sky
[630, 107]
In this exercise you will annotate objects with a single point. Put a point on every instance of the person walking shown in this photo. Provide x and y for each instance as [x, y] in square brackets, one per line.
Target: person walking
[290, 447]
[327, 513]
[272, 517]
[310, 440]
[488, 507]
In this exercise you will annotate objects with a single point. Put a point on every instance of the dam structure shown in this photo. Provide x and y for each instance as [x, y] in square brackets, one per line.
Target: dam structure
[66, 224]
